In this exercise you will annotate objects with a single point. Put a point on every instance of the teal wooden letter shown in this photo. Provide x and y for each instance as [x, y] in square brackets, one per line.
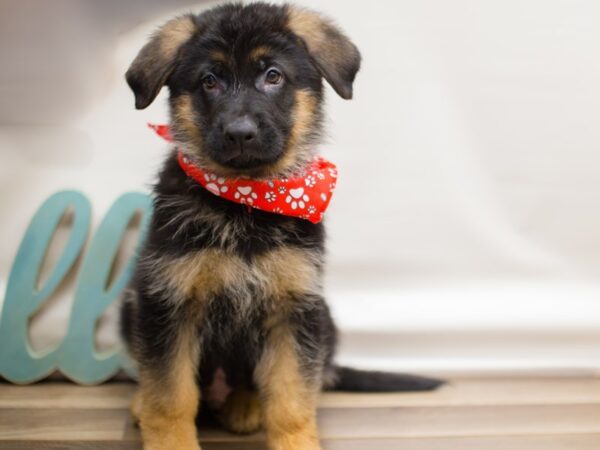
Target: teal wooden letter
[18, 362]
[78, 358]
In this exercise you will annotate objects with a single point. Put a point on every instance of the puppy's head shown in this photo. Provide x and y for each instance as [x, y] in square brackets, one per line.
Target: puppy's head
[245, 84]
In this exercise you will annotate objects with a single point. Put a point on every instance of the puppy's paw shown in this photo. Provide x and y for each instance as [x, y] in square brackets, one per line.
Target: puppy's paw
[135, 408]
[241, 412]
[177, 438]
[294, 441]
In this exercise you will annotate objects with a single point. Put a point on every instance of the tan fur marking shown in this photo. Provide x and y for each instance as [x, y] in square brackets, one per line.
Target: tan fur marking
[304, 111]
[303, 117]
[289, 402]
[308, 25]
[277, 273]
[334, 54]
[241, 413]
[311, 26]
[174, 34]
[136, 405]
[184, 119]
[204, 273]
[168, 405]
[220, 56]
[288, 271]
[259, 52]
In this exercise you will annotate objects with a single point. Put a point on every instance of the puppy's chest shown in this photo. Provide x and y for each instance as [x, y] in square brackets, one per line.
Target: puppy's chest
[274, 275]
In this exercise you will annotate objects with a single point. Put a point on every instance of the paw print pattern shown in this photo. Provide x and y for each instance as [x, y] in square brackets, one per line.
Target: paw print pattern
[245, 195]
[304, 195]
[297, 198]
[215, 184]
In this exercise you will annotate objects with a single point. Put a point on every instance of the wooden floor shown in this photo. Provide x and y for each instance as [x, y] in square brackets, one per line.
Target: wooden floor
[484, 413]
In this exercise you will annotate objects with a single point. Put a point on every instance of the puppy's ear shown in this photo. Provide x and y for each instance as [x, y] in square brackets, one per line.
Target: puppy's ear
[154, 63]
[336, 57]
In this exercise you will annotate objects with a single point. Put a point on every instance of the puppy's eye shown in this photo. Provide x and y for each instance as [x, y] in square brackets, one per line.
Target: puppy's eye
[209, 81]
[273, 76]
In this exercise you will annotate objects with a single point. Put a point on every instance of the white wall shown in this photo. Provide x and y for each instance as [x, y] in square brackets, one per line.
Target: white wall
[469, 158]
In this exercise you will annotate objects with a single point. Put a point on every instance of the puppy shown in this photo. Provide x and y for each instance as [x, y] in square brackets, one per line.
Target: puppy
[224, 292]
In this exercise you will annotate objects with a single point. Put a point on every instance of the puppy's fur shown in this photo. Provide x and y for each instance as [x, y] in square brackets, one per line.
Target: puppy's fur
[221, 292]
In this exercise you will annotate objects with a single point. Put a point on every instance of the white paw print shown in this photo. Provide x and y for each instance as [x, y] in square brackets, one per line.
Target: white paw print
[310, 181]
[312, 209]
[281, 189]
[245, 195]
[297, 198]
[270, 196]
[215, 184]
[323, 196]
[332, 172]
[331, 187]
[320, 175]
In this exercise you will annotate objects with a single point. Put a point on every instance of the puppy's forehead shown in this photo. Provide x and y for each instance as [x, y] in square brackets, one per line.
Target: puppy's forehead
[245, 33]
[226, 56]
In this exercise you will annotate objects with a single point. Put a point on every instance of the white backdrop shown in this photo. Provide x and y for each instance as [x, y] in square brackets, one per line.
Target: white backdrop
[465, 231]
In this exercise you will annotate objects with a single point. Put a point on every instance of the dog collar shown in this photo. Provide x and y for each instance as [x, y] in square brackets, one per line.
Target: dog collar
[305, 195]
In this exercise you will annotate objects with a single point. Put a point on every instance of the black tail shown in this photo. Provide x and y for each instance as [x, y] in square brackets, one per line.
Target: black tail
[347, 379]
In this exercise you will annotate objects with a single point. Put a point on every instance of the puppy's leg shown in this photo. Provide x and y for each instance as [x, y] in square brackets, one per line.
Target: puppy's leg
[168, 396]
[136, 406]
[289, 394]
[241, 412]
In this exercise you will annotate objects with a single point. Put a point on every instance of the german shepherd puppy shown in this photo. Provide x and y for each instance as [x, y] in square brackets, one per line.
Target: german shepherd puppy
[223, 295]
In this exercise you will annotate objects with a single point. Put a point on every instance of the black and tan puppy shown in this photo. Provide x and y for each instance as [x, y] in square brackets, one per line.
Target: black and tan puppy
[221, 292]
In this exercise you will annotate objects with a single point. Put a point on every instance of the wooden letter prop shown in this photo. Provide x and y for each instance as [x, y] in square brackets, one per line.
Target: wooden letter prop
[76, 356]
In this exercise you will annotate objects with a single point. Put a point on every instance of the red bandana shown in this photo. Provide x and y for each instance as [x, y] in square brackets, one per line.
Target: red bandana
[305, 195]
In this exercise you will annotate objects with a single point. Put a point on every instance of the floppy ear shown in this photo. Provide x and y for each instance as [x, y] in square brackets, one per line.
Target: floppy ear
[336, 57]
[154, 63]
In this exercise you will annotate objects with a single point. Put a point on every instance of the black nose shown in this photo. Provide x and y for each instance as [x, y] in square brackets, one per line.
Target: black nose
[240, 131]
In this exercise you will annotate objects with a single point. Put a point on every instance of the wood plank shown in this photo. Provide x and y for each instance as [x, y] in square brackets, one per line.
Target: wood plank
[334, 423]
[551, 442]
[66, 395]
[459, 421]
[486, 391]
[372, 423]
[479, 392]
[567, 442]
[62, 424]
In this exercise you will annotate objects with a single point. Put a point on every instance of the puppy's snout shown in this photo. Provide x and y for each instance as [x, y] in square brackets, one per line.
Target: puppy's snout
[241, 131]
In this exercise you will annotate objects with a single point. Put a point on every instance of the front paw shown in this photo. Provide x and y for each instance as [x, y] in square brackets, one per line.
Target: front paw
[176, 436]
[294, 441]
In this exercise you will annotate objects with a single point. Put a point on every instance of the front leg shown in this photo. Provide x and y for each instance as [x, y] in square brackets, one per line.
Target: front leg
[288, 392]
[168, 397]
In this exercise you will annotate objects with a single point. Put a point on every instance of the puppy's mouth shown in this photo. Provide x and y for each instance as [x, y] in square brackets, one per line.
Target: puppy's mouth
[247, 163]
[247, 159]
[243, 153]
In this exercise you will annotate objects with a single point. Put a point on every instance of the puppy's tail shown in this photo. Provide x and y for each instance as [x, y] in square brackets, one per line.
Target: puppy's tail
[354, 380]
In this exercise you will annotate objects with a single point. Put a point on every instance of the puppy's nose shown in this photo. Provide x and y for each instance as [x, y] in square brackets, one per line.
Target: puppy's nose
[240, 131]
